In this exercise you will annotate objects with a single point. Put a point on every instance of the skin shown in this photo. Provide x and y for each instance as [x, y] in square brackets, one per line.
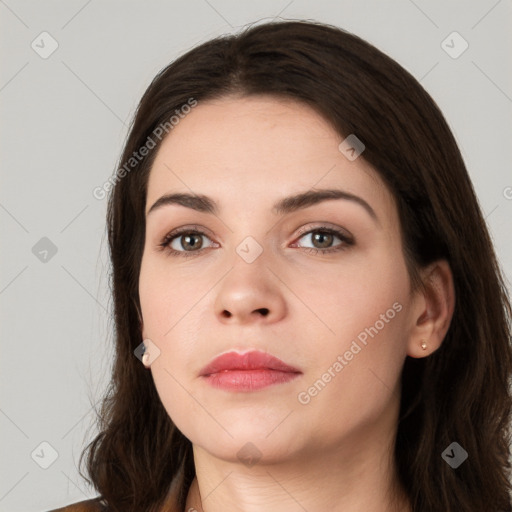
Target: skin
[334, 452]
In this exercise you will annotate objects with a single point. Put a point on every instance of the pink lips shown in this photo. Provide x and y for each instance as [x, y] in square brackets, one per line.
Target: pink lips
[247, 372]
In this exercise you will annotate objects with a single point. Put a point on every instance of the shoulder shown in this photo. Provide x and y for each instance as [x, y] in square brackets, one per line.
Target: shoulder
[92, 505]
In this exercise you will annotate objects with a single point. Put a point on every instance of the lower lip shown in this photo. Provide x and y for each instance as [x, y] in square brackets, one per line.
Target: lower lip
[248, 380]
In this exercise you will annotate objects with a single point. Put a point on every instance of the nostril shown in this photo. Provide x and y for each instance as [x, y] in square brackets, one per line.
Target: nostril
[264, 311]
[226, 314]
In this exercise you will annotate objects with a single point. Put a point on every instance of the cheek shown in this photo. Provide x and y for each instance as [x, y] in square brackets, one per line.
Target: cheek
[361, 368]
[170, 308]
[348, 298]
[168, 296]
[361, 359]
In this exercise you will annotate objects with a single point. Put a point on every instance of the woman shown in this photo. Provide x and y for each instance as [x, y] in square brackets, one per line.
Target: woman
[309, 311]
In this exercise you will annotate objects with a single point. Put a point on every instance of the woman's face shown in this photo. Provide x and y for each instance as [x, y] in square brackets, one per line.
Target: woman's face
[336, 307]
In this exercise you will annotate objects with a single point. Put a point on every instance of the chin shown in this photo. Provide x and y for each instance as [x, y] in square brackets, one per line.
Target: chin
[248, 450]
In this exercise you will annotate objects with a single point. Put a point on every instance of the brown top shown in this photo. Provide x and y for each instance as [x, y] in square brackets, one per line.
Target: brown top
[92, 505]
[95, 505]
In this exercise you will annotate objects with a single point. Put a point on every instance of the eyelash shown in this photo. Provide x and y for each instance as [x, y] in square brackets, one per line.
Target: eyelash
[346, 241]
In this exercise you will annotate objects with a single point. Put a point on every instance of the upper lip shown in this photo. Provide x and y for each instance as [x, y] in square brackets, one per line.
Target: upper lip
[253, 360]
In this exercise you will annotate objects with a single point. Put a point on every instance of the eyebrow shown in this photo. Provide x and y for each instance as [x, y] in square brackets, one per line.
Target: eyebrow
[290, 204]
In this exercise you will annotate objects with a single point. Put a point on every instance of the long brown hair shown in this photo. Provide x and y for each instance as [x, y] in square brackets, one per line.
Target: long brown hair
[459, 393]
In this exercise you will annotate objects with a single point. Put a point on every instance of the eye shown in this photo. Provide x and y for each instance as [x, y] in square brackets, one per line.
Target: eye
[184, 242]
[322, 238]
[188, 241]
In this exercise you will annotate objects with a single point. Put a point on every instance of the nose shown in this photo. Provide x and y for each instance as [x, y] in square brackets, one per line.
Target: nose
[250, 293]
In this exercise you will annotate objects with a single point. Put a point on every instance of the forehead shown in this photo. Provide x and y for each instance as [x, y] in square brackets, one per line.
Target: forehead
[258, 149]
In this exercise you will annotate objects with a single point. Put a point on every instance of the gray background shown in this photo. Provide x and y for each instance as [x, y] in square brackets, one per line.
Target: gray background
[63, 122]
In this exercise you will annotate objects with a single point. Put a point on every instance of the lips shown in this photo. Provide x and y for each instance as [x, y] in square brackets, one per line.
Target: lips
[254, 360]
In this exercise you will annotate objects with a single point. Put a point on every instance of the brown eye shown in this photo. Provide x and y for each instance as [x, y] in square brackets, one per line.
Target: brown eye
[322, 239]
[189, 241]
[186, 242]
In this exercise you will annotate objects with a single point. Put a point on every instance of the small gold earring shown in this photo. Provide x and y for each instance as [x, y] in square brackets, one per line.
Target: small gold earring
[423, 345]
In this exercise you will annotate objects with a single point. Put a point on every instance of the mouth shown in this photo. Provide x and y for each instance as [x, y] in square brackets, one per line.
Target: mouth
[247, 372]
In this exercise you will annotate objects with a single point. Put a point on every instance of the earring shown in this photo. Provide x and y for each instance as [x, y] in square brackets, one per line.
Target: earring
[145, 356]
[423, 345]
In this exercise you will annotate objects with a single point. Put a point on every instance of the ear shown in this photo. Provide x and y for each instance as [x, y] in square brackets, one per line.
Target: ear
[432, 310]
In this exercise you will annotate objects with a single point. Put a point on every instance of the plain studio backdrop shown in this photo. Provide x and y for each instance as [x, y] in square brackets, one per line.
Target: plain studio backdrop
[72, 74]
